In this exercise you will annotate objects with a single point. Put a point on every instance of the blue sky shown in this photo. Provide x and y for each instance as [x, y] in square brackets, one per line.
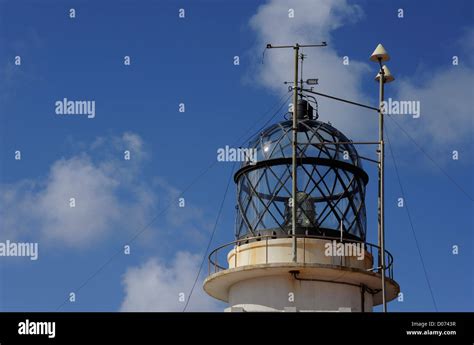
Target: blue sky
[190, 60]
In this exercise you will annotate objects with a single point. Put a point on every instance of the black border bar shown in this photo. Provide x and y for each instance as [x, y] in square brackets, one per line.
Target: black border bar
[241, 328]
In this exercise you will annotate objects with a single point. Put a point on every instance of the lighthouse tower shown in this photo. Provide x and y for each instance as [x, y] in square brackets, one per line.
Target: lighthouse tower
[301, 248]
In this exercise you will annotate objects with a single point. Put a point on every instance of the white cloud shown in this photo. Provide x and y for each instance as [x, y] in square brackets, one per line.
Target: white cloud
[446, 100]
[314, 22]
[446, 95]
[112, 198]
[317, 19]
[94, 193]
[109, 196]
[154, 286]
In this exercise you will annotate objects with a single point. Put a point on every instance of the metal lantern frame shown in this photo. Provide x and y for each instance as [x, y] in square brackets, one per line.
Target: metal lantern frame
[330, 175]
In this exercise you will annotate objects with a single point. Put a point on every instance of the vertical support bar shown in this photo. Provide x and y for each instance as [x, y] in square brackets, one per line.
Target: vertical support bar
[304, 249]
[341, 230]
[381, 212]
[266, 250]
[215, 261]
[235, 256]
[362, 298]
[294, 152]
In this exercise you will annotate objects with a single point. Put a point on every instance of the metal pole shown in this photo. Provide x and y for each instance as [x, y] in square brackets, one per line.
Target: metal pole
[381, 212]
[296, 49]
[266, 250]
[340, 229]
[294, 151]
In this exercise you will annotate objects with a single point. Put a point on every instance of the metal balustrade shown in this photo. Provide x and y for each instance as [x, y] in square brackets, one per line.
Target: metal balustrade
[215, 257]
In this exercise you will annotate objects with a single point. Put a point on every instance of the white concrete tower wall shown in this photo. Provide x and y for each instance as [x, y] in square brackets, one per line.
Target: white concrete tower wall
[284, 293]
[261, 276]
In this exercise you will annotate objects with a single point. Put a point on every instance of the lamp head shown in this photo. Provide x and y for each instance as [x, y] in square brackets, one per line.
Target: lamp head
[388, 77]
[380, 54]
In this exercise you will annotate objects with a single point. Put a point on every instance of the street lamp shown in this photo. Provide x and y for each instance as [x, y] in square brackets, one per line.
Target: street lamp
[387, 74]
[384, 76]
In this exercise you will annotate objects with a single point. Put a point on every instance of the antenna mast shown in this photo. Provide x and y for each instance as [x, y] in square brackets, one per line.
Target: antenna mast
[294, 187]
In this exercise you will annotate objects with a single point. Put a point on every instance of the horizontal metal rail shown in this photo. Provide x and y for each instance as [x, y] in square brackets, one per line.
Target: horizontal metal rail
[214, 266]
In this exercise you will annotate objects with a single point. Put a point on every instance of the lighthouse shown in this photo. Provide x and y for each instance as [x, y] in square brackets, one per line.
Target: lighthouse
[301, 230]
